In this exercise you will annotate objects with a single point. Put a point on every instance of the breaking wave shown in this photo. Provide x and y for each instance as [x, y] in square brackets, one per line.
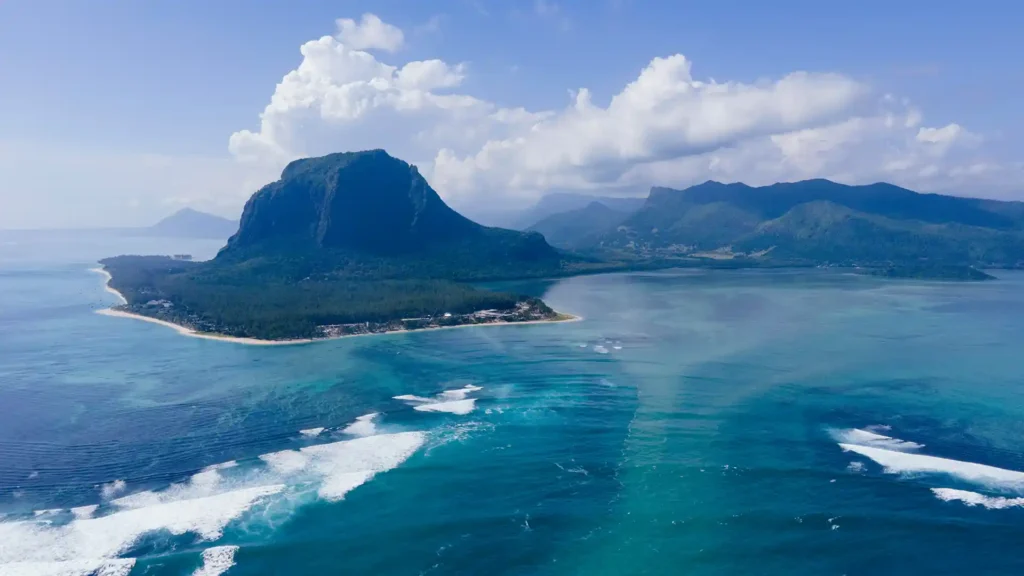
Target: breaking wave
[868, 438]
[363, 426]
[895, 462]
[216, 561]
[895, 457]
[90, 540]
[460, 407]
[451, 401]
[974, 499]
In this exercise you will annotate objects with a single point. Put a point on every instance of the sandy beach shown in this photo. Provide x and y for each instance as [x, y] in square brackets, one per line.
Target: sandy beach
[106, 283]
[258, 342]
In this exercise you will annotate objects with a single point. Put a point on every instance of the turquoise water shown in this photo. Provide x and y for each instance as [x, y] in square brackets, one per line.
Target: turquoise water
[691, 424]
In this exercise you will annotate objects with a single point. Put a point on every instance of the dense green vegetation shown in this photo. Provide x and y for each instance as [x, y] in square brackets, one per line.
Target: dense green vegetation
[957, 273]
[210, 299]
[820, 222]
[578, 228]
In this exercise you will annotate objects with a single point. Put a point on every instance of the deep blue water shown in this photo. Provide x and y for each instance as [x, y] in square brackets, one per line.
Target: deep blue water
[690, 424]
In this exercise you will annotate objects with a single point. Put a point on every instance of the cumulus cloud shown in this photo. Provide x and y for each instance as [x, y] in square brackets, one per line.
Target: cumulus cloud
[665, 127]
[663, 114]
[370, 33]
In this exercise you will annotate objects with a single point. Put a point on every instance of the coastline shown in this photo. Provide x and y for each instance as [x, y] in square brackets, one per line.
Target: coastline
[184, 331]
[258, 342]
[106, 284]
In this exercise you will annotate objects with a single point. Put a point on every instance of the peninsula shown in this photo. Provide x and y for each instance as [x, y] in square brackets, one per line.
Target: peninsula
[345, 244]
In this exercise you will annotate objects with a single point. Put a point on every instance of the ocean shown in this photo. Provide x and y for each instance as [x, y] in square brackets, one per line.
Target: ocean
[694, 422]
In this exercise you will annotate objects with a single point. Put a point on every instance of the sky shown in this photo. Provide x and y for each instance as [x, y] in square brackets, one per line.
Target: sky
[119, 112]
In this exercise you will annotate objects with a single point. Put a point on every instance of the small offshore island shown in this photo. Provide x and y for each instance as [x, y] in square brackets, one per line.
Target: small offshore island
[359, 243]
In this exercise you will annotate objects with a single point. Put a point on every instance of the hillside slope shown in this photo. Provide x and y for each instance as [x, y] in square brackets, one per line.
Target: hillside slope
[818, 221]
[580, 227]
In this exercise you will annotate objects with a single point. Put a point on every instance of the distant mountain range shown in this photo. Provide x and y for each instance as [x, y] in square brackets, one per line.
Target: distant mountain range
[809, 222]
[185, 223]
[551, 204]
[582, 227]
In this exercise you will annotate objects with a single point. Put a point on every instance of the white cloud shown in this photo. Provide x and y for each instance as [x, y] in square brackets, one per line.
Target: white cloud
[945, 135]
[371, 33]
[663, 114]
[665, 127]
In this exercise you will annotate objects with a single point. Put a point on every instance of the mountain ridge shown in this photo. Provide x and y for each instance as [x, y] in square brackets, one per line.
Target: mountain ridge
[324, 206]
[819, 221]
[576, 228]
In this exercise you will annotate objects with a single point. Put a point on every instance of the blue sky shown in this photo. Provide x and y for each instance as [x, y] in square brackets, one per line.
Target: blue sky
[121, 111]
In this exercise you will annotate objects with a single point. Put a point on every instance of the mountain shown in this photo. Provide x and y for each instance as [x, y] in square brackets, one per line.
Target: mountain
[579, 227]
[346, 243]
[370, 206]
[818, 221]
[560, 202]
[189, 223]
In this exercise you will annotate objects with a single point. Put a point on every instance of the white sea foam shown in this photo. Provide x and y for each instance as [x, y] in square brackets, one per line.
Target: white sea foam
[896, 462]
[221, 466]
[450, 401]
[216, 561]
[363, 426]
[412, 398]
[459, 393]
[975, 499]
[855, 467]
[206, 482]
[600, 349]
[99, 567]
[108, 491]
[867, 438]
[312, 432]
[100, 540]
[342, 466]
[617, 347]
[84, 511]
[46, 512]
[460, 407]
[285, 461]
[203, 506]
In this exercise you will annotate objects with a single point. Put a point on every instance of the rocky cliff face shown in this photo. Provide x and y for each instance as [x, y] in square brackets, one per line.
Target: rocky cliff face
[367, 202]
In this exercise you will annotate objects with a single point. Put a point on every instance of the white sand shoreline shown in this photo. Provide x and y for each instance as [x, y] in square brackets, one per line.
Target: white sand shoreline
[106, 284]
[258, 342]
